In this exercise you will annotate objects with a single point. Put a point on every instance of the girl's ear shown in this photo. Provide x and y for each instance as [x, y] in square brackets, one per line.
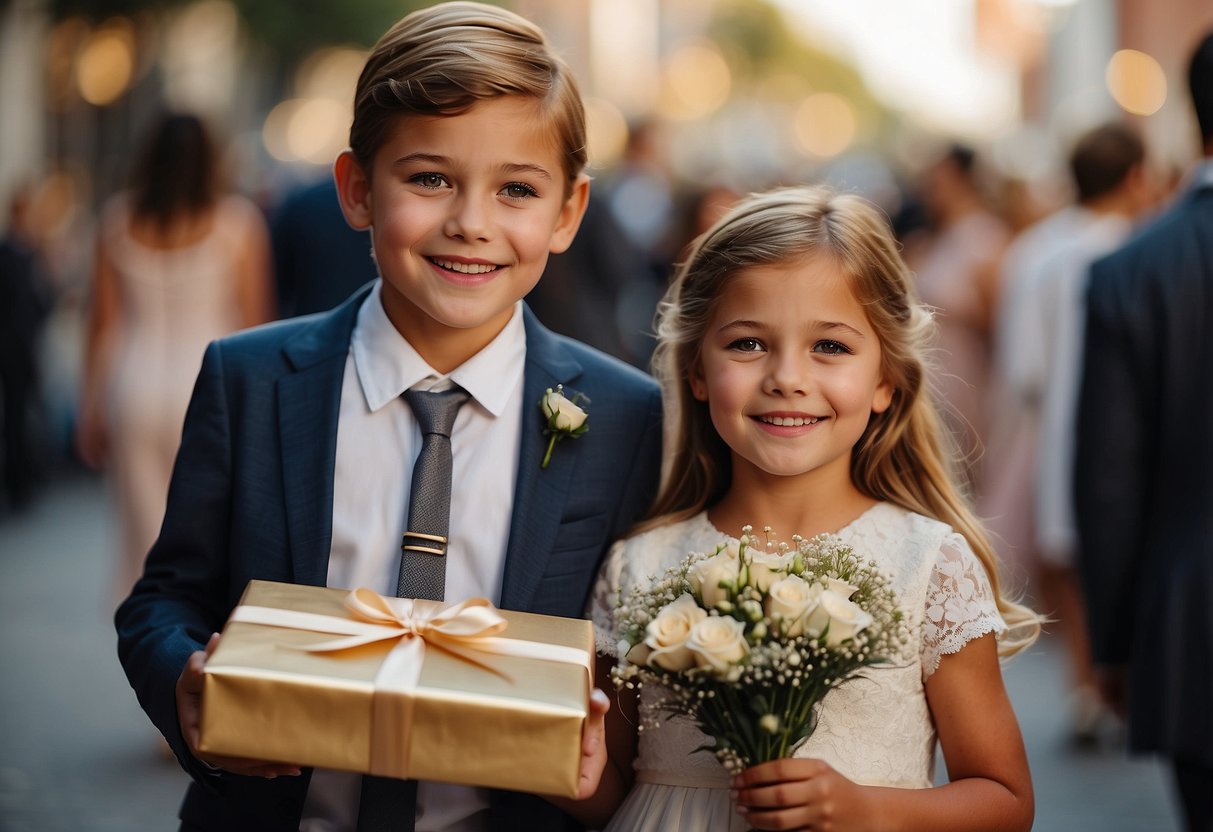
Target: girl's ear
[699, 385]
[883, 396]
[353, 191]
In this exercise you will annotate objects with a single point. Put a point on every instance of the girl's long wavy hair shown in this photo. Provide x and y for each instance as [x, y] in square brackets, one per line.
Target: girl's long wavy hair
[905, 456]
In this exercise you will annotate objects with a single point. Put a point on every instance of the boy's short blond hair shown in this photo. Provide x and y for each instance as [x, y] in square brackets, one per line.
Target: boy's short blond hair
[443, 59]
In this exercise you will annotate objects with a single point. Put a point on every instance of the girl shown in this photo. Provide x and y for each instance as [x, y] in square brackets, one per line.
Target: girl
[791, 351]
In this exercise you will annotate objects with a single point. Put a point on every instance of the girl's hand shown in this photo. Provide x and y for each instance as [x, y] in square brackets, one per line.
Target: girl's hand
[801, 794]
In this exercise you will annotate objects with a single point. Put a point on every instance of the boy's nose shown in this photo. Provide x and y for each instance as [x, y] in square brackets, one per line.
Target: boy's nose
[468, 220]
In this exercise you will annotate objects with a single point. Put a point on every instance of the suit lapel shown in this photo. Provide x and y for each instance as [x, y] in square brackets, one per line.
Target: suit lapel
[309, 401]
[539, 493]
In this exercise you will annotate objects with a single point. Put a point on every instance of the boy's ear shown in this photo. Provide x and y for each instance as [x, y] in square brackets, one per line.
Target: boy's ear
[571, 214]
[353, 191]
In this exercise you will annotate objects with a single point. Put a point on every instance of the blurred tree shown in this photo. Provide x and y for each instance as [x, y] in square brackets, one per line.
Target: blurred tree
[760, 43]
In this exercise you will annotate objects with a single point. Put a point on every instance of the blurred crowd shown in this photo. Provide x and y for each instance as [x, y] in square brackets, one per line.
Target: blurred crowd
[108, 302]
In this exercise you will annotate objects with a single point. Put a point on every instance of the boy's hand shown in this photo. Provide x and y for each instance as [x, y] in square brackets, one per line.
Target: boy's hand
[189, 714]
[593, 745]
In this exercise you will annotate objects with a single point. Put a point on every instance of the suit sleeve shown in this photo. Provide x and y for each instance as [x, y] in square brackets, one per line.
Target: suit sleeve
[181, 597]
[1110, 462]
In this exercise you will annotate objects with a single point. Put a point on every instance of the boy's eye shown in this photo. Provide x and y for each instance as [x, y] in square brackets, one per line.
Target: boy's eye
[831, 348]
[519, 190]
[746, 345]
[428, 180]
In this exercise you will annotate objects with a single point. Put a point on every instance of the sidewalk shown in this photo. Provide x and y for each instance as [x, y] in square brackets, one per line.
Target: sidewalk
[78, 755]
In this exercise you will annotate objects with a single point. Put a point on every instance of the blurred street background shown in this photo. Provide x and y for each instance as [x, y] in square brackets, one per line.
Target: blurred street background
[957, 117]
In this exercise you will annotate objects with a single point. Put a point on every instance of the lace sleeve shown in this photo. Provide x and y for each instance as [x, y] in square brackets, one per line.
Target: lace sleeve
[604, 599]
[960, 604]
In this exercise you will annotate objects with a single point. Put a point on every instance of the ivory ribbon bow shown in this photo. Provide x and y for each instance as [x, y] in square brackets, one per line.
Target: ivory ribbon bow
[461, 629]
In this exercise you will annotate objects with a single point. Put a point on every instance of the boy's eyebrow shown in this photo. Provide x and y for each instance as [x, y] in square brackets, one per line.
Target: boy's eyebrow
[510, 169]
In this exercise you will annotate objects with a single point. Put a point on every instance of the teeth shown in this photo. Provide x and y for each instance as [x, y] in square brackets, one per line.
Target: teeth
[789, 421]
[465, 268]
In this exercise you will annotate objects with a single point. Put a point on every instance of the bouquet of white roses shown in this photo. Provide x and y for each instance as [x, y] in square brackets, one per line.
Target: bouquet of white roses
[746, 641]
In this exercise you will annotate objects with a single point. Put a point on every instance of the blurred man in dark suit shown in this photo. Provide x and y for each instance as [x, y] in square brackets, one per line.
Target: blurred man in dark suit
[319, 261]
[1144, 475]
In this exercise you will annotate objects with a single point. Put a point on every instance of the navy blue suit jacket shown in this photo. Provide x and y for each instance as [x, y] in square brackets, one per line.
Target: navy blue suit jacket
[1144, 476]
[252, 497]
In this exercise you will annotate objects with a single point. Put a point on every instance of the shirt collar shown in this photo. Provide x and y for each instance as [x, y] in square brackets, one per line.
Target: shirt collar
[387, 364]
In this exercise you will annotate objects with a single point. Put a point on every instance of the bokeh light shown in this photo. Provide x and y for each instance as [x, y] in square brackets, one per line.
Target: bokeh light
[309, 130]
[696, 81]
[331, 73]
[607, 132]
[107, 63]
[1136, 82]
[825, 124]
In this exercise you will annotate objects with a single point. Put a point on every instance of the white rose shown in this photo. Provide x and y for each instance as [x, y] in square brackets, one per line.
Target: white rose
[846, 617]
[718, 642]
[706, 575]
[568, 415]
[667, 634]
[840, 587]
[637, 654]
[767, 567]
[793, 599]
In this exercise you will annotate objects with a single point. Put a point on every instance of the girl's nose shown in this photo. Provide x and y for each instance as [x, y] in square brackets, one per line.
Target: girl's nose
[468, 220]
[788, 376]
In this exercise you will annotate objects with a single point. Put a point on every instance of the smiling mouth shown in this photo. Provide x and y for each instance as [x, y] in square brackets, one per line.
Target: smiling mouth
[464, 268]
[789, 421]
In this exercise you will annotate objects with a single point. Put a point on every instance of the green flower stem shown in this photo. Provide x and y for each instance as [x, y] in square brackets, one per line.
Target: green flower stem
[547, 457]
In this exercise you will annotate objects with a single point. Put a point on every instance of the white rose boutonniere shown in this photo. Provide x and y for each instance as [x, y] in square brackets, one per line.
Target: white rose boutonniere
[565, 417]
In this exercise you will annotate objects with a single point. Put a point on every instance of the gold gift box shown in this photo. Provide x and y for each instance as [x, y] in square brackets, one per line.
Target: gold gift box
[502, 722]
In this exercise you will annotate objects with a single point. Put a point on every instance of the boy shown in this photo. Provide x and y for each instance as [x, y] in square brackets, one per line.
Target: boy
[466, 163]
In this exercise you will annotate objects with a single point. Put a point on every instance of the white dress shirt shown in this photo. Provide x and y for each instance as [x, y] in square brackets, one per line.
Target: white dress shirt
[378, 442]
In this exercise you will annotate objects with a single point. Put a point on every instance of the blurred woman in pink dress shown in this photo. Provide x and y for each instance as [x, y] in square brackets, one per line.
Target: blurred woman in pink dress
[957, 274]
[178, 263]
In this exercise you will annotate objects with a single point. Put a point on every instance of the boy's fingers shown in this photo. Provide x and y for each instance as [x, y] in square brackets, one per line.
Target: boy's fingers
[595, 727]
[210, 644]
[599, 703]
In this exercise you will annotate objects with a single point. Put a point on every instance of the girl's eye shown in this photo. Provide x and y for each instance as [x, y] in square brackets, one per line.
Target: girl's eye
[831, 348]
[519, 190]
[746, 345]
[428, 180]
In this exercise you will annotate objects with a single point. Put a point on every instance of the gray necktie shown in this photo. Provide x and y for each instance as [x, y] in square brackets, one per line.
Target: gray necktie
[423, 549]
[388, 803]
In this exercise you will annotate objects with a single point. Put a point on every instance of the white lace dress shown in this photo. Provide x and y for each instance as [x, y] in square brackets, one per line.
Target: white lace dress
[875, 729]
